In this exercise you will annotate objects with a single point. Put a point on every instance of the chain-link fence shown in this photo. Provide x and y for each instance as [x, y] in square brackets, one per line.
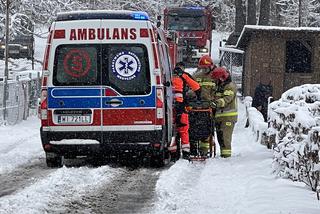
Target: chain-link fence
[22, 97]
[233, 60]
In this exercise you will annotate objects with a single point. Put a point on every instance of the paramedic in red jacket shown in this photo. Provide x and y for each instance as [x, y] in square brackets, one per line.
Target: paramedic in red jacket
[182, 81]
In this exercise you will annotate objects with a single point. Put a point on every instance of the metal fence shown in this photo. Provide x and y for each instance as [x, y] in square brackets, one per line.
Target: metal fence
[233, 60]
[23, 93]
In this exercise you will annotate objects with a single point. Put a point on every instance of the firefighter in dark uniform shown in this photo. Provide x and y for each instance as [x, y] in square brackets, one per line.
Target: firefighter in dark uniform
[182, 81]
[208, 86]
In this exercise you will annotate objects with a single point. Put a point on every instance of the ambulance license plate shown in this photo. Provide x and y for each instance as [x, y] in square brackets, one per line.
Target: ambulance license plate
[74, 119]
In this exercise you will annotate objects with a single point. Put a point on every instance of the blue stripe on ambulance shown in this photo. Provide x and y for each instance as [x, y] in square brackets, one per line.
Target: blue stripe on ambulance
[64, 98]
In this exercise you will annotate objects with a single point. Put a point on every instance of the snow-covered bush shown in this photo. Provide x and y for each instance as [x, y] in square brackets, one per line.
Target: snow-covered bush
[294, 121]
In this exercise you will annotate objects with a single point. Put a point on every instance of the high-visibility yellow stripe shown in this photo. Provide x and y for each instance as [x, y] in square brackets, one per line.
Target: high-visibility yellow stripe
[205, 145]
[226, 114]
[207, 84]
[228, 123]
[228, 92]
[226, 152]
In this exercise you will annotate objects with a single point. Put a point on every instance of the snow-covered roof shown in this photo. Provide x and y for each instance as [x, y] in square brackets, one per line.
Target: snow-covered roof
[249, 29]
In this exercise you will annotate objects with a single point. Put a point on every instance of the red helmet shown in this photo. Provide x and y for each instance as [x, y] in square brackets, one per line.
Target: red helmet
[220, 73]
[205, 62]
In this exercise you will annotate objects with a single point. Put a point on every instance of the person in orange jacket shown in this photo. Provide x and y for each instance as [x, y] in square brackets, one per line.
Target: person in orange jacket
[181, 82]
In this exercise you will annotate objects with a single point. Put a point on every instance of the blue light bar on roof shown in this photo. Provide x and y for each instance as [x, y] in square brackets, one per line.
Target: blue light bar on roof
[140, 16]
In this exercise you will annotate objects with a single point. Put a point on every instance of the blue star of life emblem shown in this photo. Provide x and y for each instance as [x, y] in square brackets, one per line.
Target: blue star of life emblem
[126, 65]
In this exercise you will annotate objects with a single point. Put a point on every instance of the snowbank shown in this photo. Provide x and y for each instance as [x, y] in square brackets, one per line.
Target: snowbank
[255, 120]
[295, 125]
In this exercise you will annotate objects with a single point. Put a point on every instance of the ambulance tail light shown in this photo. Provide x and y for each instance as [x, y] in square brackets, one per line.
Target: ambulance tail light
[44, 108]
[160, 104]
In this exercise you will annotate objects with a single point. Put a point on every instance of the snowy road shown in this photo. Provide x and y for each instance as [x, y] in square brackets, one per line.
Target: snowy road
[241, 184]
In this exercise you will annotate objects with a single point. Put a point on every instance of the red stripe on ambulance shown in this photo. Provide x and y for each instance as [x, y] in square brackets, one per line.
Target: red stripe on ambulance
[103, 34]
[128, 116]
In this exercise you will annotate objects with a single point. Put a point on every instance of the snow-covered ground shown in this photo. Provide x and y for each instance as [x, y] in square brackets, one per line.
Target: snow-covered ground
[243, 183]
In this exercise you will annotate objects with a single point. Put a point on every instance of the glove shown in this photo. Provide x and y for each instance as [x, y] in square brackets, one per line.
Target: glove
[213, 105]
[198, 94]
[220, 103]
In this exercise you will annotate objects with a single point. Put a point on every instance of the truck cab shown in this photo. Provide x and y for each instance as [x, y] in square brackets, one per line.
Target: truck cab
[194, 25]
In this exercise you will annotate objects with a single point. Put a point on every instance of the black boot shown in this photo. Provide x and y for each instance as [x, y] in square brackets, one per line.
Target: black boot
[186, 155]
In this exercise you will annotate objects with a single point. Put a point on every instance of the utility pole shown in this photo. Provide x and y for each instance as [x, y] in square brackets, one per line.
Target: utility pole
[6, 69]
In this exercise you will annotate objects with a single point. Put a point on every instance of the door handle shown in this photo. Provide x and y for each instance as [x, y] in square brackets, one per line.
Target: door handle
[114, 102]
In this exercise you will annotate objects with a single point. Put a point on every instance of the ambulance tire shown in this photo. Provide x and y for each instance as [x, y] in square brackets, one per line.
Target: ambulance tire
[53, 160]
[158, 160]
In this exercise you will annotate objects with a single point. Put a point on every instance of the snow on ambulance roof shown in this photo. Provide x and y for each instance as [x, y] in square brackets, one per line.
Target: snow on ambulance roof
[102, 14]
[248, 29]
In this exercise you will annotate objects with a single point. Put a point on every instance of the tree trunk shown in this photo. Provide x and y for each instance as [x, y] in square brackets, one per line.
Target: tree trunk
[264, 12]
[252, 12]
[239, 23]
[240, 17]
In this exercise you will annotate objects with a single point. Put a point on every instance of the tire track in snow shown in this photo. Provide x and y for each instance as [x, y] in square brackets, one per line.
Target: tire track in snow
[51, 193]
[23, 176]
[19, 153]
[132, 191]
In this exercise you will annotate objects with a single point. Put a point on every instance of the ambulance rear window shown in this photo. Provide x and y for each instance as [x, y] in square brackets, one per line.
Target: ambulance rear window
[126, 68]
[76, 65]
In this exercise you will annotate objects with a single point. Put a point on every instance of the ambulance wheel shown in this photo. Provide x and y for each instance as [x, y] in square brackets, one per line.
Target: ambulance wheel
[158, 160]
[53, 160]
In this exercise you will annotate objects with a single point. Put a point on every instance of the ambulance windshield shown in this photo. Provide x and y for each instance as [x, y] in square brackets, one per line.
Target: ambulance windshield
[186, 23]
[124, 67]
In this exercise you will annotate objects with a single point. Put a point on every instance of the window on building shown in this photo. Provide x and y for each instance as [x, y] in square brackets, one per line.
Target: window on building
[298, 56]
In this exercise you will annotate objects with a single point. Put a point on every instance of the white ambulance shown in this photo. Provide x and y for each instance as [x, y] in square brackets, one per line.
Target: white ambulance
[106, 87]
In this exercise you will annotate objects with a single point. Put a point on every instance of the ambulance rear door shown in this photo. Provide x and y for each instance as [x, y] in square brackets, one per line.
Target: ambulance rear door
[128, 99]
[75, 94]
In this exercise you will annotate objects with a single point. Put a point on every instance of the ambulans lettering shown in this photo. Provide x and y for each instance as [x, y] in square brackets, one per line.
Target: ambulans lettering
[103, 34]
[126, 65]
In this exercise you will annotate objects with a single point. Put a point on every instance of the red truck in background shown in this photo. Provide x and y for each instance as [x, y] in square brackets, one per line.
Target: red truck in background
[193, 25]
[175, 50]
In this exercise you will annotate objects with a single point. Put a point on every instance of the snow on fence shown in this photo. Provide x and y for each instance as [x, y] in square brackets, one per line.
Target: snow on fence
[255, 120]
[22, 100]
[294, 133]
[232, 59]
